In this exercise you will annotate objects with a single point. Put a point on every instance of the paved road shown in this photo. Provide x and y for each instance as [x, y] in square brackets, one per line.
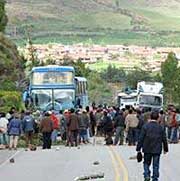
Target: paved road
[66, 164]
[5, 154]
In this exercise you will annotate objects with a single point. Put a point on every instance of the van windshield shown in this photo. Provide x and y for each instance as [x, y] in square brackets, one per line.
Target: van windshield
[150, 100]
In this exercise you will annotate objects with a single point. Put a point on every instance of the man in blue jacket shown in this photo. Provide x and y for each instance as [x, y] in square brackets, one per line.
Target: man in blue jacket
[152, 139]
[28, 127]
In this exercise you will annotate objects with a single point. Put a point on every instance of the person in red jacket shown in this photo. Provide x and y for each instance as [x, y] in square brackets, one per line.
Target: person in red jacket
[56, 123]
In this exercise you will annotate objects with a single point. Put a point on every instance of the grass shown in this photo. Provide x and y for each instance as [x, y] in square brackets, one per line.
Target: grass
[100, 23]
[103, 38]
[102, 65]
[161, 19]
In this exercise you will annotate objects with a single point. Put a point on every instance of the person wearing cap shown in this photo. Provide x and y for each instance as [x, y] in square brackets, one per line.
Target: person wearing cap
[152, 139]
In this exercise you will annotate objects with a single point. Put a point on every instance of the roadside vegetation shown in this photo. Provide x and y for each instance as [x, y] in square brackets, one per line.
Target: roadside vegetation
[102, 82]
[11, 69]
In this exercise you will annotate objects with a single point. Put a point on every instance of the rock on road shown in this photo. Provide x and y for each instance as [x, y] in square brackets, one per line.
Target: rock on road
[66, 164]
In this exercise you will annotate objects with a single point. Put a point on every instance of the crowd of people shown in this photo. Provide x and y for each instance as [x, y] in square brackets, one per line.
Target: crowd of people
[77, 126]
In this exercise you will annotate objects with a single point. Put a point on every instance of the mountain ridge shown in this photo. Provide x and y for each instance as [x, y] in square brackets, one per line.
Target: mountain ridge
[47, 19]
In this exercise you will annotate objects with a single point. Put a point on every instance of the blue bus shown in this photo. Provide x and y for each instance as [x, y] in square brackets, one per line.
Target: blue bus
[81, 92]
[52, 87]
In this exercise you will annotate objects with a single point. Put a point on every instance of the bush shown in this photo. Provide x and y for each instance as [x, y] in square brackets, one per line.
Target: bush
[9, 99]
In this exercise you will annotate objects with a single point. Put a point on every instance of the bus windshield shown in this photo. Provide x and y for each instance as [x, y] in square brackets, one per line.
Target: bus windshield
[52, 77]
[57, 99]
[150, 100]
[129, 99]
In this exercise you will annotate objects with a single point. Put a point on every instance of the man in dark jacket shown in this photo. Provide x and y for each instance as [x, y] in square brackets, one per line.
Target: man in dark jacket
[140, 124]
[108, 128]
[46, 127]
[92, 122]
[107, 124]
[83, 126]
[14, 129]
[119, 124]
[73, 127]
[28, 124]
[151, 140]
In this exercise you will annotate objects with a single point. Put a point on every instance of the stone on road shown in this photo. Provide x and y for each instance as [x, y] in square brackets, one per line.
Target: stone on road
[65, 164]
[5, 155]
[68, 164]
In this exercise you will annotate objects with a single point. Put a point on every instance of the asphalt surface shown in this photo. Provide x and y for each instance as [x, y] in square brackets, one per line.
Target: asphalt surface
[67, 164]
[5, 154]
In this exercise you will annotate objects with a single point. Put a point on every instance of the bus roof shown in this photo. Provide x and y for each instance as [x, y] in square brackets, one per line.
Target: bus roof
[82, 79]
[53, 68]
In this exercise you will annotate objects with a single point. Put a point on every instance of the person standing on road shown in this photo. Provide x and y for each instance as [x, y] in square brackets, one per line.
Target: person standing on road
[63, 128]
[92, 122]
[107, 124]
[14, 130]
[3, 131]
[131, 122]
[146, 114]
[174, 127]
[107, 128]
[56, 126]
[73, 127]
[46, 127]
[119, 125]
[83, 126]
[152, 139]
[168, 119]
[28, 124]
[178, 121]
[98, 116]
[162, 118]
[140, 124]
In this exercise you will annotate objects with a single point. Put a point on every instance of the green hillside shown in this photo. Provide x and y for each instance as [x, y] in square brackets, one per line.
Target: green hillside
[142, 22]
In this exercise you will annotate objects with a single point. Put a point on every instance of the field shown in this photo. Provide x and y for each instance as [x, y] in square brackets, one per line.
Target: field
[102, 65]
[140, 22]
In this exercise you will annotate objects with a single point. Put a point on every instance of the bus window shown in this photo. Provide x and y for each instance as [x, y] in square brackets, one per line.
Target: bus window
[85, 88]
[80, 85]
[78, 88]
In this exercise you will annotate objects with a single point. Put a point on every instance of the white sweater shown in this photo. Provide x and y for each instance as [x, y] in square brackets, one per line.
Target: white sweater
[3, 124]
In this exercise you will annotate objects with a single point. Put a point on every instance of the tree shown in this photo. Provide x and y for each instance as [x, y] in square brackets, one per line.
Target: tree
[79, 66]
[136, 75]
[113, 74]
[98, 89]
[11, 66]
[3, 17]
[170, 76]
